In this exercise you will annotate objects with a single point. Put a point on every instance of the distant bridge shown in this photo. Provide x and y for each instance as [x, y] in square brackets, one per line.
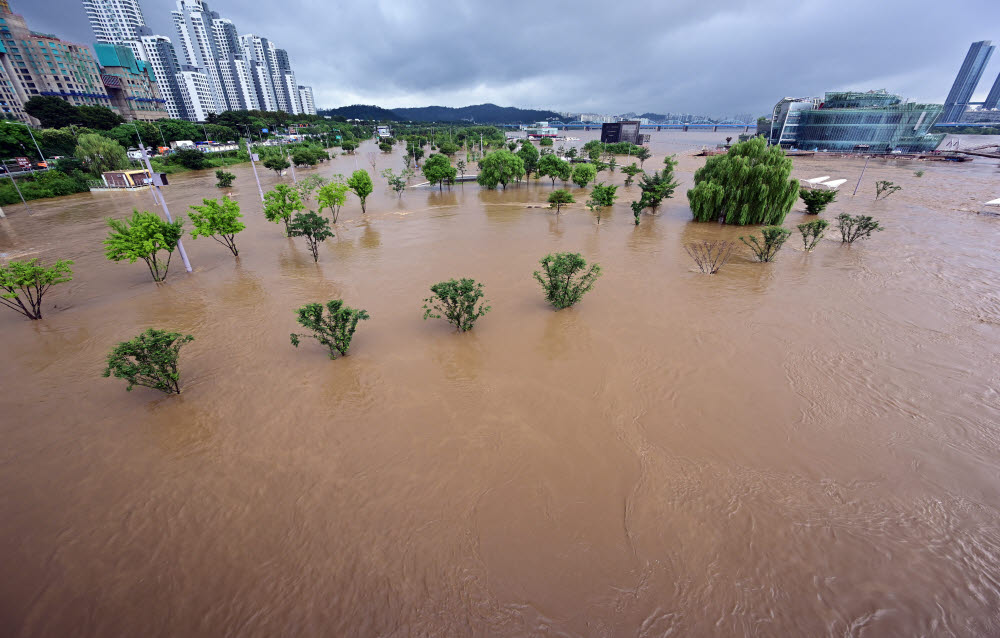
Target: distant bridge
[659, 127]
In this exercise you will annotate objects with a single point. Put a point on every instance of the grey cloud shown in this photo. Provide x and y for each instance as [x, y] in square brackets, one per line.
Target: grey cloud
[719, 57]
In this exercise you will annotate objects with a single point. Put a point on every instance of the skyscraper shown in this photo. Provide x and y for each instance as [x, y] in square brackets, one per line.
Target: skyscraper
[114, 21]
[993, 99]
[307, 101]
[966, 81]
[159, 51]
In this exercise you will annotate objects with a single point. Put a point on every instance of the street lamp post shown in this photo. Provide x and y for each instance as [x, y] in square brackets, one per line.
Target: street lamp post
[255, 176]
[14, 181]
[163, 203]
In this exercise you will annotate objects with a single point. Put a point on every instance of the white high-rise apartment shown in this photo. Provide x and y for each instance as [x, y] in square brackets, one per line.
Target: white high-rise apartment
[307, 101]
[196, 89]
[256, 51]
[196, 47]
[159, 51]
[115, 21]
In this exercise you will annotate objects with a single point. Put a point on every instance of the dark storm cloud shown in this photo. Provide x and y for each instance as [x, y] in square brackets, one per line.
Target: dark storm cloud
[719, 57]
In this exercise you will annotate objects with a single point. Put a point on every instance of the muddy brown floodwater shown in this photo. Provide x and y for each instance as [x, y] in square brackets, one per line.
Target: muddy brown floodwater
[802, 448]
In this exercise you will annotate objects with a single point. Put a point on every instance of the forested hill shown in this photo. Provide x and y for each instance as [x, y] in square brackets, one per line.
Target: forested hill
[480, 113]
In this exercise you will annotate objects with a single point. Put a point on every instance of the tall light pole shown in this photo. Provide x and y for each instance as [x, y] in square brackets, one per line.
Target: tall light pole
[255, 176]
[14, 181]
[40, 156]
[163, 203]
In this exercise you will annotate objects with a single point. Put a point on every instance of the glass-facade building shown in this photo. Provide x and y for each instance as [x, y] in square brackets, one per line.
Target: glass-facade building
[854, 122]
[966, 81]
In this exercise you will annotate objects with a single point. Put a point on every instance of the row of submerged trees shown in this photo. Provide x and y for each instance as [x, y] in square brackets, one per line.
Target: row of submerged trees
[749, 185]
[150, 359]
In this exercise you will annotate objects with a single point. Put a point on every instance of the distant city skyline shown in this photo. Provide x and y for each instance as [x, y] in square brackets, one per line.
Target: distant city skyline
[687, 56]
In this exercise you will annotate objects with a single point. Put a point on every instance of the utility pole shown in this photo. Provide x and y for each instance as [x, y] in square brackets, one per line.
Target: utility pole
[861, 175]
[14, 181]
[163, 203]
[292, 164]
[255, 176]
[40, 156]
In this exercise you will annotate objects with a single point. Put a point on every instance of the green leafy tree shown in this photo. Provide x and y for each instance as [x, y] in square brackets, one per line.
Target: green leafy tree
[499, 167]
[308, 185]
[334, 329]
[565, 278]
[584, 174]
[304, 157]
[460, 302]
[276, 163]
[190, 158]
[602, 197]
[143, 236]
[24, 283]
[315, 228]
[571, 153]
[396, 182]
[437, 169]
[385, 147]
[52, 112]
[460, 167]
[767, 246]
[100, 154]
[149, 360]
[816, 200]
[883, 189]
[220, 221]
[448, 148]
[224, 179]
[658, 186]
[749, 185]
[361, 184]
[637, 208]
[855, 228]
[98, 117]
[631, 171]
[333, 195]
[559, 198]
[642, 155]
[529, 156]
[552, 167]
[812, 232]
[545, 141]
[348, 147]
[281, 203]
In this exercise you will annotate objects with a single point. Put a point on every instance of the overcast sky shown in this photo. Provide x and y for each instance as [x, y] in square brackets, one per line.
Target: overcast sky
[716, 57]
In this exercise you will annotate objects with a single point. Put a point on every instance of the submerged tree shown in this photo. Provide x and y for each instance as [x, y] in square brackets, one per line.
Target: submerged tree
[642, 155]
[438, 169]
[334, 329]
[24, 283]
[630, 172]
[361, 183]
[333, 195]
[276, 163]
[584, 174]
[308, 184]
[553, 167]
[771, 240]
[315, 228]
[565, 278]
[816, 200]
[221, 222]
[500, 167]
[281, 203]
[149, 360]
[883, 189]
[601, 197]
[224, 179]
[559, 198]
[854, 228]
[460, 302]
[812, 232]
[710, 256]
[396, 182]
[460, 167]
[749, 185]
[529, 156]
[658, 186]
[143, 236]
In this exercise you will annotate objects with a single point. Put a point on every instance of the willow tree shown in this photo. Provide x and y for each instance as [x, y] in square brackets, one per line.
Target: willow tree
[750, 184]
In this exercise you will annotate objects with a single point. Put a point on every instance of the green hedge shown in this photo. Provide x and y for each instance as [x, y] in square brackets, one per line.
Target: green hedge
[50, 184]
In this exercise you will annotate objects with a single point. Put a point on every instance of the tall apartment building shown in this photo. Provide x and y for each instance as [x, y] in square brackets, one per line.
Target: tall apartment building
[159, 52]
[116, 22]
[286, 77]
[258, 53]
[42, 64]
[196, 48]
[307, 101]
[966, 81]
[130, 83]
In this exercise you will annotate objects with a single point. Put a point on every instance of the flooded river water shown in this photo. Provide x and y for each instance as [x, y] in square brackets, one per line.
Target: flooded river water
[809, 447]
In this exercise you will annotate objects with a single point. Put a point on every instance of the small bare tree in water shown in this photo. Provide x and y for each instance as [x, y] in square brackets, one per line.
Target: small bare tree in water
[710, 256]
[883, 189]
[857, 227]
[372, 159]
